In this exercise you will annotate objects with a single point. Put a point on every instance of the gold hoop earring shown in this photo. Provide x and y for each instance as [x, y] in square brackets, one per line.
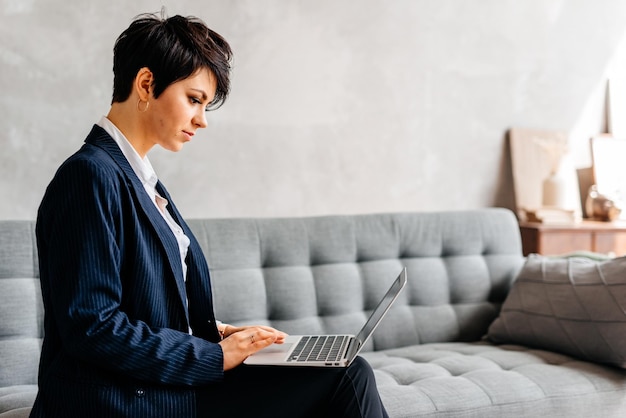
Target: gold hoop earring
[145, 108]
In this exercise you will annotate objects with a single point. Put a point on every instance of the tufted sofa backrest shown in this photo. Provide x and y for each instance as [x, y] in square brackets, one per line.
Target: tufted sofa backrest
[311, 275]
[326, 274]
[21, 307]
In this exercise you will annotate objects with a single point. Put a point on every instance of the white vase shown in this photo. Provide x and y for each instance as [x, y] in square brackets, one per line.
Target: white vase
[555, 191]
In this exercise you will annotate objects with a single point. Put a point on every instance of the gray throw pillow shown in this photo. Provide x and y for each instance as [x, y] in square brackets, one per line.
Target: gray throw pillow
[576, 306]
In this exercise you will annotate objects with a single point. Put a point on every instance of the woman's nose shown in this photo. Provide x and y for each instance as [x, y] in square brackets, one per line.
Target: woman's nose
[200, 119]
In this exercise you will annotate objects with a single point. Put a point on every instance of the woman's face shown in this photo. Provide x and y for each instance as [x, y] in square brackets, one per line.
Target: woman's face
[180, 110]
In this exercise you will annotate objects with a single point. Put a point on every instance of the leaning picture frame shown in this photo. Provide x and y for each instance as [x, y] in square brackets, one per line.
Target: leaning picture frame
[609, 171]
[532, 164]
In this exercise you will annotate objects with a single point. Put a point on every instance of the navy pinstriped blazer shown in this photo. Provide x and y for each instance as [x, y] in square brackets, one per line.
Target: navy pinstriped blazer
[116, 324]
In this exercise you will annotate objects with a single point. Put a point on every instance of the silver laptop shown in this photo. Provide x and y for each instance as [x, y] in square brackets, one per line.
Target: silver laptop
[327, 350]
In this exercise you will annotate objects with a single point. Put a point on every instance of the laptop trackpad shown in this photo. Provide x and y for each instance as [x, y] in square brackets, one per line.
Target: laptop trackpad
[275, 348]
[273, 354]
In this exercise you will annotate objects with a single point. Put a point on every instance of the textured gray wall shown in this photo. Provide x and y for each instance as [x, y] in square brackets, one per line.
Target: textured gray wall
[337, 106]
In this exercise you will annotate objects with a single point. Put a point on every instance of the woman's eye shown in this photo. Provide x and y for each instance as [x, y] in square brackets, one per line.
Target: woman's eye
[195, 100]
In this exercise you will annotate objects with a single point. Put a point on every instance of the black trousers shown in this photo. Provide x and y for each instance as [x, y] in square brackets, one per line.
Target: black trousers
[292, 392]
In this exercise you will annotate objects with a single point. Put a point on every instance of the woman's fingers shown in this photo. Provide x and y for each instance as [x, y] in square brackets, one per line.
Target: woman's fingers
[280, 336]
[241, 344]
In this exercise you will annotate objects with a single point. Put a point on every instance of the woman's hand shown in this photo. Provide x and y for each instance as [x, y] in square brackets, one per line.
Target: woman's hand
[241, 342]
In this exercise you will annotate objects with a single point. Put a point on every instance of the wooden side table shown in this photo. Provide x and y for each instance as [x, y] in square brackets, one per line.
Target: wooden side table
[599, 237]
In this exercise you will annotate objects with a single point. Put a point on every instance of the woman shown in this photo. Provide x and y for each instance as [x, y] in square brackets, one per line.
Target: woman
[129, 323]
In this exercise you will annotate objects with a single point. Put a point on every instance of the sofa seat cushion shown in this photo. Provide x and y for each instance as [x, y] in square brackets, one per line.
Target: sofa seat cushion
[16, 397]
[481, 379]
[17, 413]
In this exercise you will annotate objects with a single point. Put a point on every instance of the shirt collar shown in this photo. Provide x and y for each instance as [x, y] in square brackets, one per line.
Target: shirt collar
[141, 166]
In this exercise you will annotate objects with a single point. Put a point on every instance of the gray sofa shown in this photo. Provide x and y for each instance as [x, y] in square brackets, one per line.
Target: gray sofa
[324, 274]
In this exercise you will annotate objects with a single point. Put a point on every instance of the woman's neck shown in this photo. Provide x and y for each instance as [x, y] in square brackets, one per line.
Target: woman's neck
[127, 119]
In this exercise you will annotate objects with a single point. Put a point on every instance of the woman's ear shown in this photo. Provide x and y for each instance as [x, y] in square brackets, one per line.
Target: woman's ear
[143, 83]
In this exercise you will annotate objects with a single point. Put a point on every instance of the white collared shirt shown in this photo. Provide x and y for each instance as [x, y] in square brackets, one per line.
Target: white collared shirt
[145, 172]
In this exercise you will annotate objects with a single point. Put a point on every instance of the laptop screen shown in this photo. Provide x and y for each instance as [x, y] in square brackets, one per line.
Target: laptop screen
[382, 308]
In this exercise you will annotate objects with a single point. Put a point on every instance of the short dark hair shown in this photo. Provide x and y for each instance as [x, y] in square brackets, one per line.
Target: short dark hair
[173, 49]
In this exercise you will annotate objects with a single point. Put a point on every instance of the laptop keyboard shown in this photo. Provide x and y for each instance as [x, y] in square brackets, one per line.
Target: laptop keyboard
[326, 348]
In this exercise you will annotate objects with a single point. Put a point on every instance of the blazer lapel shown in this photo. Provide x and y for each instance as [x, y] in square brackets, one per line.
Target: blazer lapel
[100, 138]
[198, 279]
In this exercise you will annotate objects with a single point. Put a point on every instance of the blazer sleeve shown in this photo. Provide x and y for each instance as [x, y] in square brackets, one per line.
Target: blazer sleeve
[81, 229]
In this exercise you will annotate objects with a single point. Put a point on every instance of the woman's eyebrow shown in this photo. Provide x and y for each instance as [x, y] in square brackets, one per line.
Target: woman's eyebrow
[202, 92]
